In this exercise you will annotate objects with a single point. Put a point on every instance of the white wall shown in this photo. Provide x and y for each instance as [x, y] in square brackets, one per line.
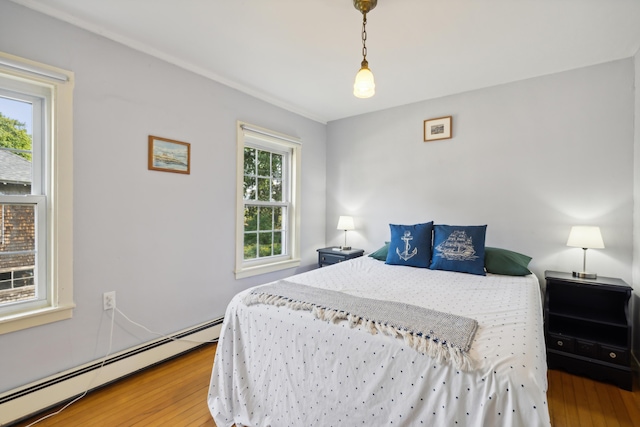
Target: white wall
[164, 242]
[530, 159]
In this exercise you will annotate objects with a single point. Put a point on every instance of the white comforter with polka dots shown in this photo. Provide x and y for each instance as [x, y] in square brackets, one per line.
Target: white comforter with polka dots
[279, 367]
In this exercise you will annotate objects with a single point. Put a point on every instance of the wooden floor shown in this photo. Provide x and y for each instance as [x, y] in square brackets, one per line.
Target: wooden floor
[174, 394]
[578, 401]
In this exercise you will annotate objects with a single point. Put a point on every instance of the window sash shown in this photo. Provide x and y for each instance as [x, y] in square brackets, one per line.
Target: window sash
[258, 232]
[284, 178]
[38, 97]
[43, 293]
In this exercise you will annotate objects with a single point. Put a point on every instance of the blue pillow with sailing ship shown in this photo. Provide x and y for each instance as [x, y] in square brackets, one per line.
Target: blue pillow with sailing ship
[410, 245]
[459, 248]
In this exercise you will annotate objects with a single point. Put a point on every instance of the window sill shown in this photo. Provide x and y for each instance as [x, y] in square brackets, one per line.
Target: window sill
[35, 318]
[266, 268]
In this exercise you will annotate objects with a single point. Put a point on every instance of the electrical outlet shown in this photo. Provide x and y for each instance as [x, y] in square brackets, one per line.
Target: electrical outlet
[109, 300]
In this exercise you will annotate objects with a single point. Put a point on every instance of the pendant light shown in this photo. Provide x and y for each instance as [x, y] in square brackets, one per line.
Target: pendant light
[364, 87]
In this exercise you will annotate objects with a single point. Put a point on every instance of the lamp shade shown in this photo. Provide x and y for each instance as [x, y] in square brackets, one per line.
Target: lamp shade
[364, 87]
[345, 223]
[583, 236]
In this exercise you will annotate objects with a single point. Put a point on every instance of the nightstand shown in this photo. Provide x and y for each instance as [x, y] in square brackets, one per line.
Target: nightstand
[587, 327]
[334, 255]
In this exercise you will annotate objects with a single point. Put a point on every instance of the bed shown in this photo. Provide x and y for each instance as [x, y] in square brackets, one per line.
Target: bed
[276, 366]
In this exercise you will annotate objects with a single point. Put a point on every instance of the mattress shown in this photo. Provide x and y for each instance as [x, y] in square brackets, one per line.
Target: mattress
[275, 366]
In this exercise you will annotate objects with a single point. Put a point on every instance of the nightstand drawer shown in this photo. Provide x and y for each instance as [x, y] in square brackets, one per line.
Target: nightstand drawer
[587, 348]
[560, 342]
[331, 259]
[616, 355]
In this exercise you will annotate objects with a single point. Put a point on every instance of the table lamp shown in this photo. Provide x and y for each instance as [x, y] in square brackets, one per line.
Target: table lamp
[345, 223]
[585, 237]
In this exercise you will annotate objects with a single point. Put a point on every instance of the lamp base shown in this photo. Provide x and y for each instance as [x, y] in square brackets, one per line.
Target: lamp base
[585, 275]
[345, 248]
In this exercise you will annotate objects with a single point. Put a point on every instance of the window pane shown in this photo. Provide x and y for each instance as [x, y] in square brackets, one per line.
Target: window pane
[276, 190]
[250, 188]
[277, 218]
[23, 278]
[5, 280]
[277, 243]
[16, 148]
[250, 245]
[250, 218]
[18, 231]
[17, 253]
[266, 218]
[265, 244]
[249, 161]
[264, 163]
[276, 165]
[264, 190]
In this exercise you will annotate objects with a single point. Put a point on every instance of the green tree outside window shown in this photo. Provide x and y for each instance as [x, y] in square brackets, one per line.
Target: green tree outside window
[13, 135]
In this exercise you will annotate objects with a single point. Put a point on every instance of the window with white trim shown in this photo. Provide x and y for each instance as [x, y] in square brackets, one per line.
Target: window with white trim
[36, 189]
[268, 185]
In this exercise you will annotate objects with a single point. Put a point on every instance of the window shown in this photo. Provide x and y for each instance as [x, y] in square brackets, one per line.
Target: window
[268, 195]
[36, 285]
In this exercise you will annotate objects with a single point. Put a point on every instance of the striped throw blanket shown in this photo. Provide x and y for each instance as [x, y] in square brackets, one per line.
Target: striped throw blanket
[444, 336]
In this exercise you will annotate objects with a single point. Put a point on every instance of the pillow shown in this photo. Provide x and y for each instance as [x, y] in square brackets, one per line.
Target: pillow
[508, 263]
[381, 254]
[459, 248]
[410, 245]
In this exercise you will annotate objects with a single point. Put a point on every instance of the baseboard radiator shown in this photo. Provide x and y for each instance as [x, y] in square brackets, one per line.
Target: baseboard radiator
[20, 403]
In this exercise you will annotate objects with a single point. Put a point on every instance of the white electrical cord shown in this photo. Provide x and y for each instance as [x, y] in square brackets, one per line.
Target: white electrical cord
[95, 375]
[113, 316]
[158, 333]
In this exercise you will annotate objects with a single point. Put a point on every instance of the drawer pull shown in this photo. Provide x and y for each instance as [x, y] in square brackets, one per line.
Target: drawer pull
[560, 343]
[613, 355]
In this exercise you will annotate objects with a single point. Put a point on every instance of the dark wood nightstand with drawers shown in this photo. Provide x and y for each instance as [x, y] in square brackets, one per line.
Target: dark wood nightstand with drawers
[334, 255]
[587, 327]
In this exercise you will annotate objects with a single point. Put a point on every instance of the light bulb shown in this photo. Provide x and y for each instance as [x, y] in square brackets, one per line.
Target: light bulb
[364, 87]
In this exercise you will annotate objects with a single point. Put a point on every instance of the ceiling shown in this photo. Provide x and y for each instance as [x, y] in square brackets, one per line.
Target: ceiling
[303, 55]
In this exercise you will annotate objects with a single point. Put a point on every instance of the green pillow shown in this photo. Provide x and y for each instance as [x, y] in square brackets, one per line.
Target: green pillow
[505, 262]
[381, 254]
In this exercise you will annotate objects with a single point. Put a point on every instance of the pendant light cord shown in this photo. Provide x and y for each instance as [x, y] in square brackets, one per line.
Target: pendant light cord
[364, 37]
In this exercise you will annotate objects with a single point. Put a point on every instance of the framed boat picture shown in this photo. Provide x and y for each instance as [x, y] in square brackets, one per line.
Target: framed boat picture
[439, 128]
[168, 155]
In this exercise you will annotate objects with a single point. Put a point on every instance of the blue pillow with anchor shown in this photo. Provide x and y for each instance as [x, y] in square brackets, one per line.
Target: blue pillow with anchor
[459, 248]
[410, 245]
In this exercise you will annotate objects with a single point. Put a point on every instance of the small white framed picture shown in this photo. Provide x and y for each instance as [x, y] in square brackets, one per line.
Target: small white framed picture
[439, 128]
